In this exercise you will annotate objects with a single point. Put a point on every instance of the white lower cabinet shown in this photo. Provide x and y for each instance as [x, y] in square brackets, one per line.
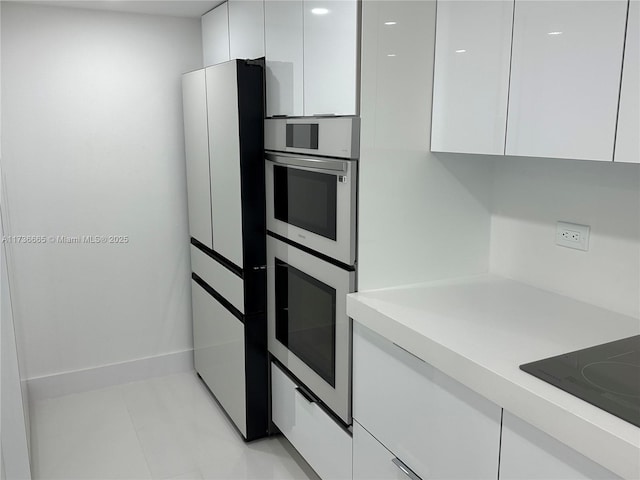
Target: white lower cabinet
[530, 454]
[218, 339]
[324, 444]
[436, 426]
[371, 460]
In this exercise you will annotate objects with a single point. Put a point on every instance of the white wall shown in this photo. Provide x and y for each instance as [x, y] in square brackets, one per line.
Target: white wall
[531, 194]
[14, 413]
[422, 217]
[92, 144]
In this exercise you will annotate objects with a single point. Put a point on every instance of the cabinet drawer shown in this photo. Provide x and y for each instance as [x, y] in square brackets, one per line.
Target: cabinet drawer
[218, 339]
[222, 280]
[530, 454]
[437, 426]
[318, 438]
[371, 460]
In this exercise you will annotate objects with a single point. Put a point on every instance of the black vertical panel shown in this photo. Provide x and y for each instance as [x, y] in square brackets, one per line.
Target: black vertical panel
[251, 131]
[252, 186]
[256, 372]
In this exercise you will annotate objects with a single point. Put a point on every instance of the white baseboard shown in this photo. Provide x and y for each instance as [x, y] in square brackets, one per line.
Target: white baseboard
[77, 381]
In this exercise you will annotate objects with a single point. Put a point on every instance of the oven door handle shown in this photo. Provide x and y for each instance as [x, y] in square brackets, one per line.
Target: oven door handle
[305, 394]
[320, 164]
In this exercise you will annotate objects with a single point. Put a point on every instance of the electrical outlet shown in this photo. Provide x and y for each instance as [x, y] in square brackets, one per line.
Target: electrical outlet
[572, 235]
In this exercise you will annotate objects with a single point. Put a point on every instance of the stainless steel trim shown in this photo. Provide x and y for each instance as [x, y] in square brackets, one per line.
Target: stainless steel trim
[404, 469]
[312, 163]
[306, 395]
[412, 354]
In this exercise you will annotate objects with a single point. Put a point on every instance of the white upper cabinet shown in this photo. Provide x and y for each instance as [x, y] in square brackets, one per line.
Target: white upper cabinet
[215, 36]
[330, 57]
[283, 51]
[565, 78]
[471, 78]
[194, 101]
[627, 137]
[246, 28]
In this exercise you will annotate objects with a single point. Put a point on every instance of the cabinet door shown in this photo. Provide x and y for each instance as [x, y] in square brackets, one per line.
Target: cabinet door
[246, 28]
[325, 445]
[194, 103]
[627, 137]
[218, 344]
[530, 454]
[565, 78]
[224, 159]
[330, 57]
[438, 427]
[215, 36]
[283, 48]
[371, 460]
[471, 77]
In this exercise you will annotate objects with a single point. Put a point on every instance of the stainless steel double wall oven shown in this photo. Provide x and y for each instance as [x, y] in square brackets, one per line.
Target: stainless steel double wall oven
[311, 186]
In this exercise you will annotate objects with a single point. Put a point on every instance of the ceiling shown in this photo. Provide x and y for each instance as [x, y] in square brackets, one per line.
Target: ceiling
[174, 8]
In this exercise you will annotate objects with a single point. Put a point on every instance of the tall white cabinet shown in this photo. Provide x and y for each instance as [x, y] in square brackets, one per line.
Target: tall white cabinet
[224, 164]
[471, 76]
[194, 105]
[565, 78]
[224, 122]
[627, 137]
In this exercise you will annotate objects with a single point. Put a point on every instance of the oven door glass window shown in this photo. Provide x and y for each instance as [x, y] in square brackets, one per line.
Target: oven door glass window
[306, 199]
[306, 319]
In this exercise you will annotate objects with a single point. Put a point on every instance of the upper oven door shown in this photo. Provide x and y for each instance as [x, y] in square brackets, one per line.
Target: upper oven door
[312, 201]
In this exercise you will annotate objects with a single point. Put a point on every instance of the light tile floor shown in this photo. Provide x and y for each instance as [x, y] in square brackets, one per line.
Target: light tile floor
[163, 428]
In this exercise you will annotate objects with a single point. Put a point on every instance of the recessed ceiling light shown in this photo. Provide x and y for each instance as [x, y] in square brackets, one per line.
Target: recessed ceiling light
[319, 11]
[554, 33]
[390, 23]
[460, 51]
[391, 55]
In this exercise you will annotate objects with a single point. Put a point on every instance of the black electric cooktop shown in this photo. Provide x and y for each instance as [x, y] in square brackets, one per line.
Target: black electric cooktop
[607, 376]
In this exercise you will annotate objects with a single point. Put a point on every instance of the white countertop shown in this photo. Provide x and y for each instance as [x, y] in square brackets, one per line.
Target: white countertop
[478, 330]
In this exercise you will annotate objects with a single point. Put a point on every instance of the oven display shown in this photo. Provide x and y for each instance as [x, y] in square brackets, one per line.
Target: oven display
[306, 199]
[302, 135]
[306, 319]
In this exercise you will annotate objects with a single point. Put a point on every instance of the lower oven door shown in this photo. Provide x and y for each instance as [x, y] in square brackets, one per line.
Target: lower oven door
[309, 331]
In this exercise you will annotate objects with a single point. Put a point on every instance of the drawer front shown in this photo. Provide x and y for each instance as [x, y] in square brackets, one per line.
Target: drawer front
[371, 460]
[223, 281]
[530, 454]
[435, 425]
[318, 438]
[218, 341]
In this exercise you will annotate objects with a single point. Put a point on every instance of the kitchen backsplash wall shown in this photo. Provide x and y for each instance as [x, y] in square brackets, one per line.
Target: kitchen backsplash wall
[93, 145]
[531, 194]
[422, 216]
